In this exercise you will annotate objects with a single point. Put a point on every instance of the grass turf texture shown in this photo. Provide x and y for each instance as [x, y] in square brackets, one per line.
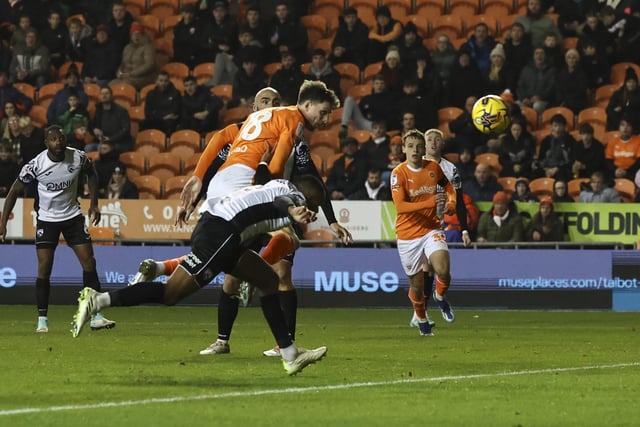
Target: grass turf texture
[449, 379]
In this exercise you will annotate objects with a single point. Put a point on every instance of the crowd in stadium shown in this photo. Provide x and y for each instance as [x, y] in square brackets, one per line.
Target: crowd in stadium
[141, 86]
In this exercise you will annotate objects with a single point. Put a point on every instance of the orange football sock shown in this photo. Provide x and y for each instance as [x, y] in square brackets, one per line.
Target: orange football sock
[418, 305]
[280, 245]
[171, 264]
[441, 286]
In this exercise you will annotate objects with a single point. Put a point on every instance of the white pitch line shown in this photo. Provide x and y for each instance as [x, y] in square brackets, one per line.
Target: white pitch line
[306, 389]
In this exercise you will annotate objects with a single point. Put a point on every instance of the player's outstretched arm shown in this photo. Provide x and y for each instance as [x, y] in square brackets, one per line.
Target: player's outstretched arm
[16, 189]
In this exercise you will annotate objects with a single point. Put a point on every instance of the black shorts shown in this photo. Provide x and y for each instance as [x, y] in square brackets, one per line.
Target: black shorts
[74, 230]
[215, 247]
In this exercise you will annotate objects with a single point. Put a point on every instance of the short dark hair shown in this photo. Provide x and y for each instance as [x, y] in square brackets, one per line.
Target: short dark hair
[559, 118]
[586, 128]
[190, 79]
[312, 188]
[317, 91]
[54, 129]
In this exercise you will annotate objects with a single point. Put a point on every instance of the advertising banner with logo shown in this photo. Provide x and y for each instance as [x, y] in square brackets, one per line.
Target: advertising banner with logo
[361, 218]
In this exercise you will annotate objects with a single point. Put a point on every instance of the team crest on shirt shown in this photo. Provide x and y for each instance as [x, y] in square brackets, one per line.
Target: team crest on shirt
[70, 168]
[394, 181]
[39, 232]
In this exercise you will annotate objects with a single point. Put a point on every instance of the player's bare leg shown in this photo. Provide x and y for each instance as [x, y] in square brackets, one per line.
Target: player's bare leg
[416, 296]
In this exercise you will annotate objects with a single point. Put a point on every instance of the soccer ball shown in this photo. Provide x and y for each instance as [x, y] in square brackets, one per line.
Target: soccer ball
[490, 114]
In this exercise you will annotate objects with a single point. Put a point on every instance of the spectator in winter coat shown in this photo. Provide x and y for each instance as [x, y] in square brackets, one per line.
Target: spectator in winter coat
[200, 108]
[321, 69]
[138, 66]
[502, 223]
[101, 58]
[546, 225]
[163, 106]
[30, 63]
[111, 123]
[351, 41]
[60, 103]
[387, 32]
[348, 173]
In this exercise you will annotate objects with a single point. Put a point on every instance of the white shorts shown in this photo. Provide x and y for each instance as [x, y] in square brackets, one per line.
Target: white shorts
[415, 253]
[226, 181]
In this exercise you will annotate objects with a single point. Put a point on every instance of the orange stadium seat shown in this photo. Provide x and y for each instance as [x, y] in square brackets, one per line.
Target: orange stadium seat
[361, 136]
[163, 8]
[150, 142]
[318, 162]
[497, 7]
[358, 91]
[569, 43]
[542, 187]
[92, 90]
[321, 235]
[38, 115]
[325, 137]
[135, 162]
[593, 115]
[447, 114]
[508, 183]
[328, 8]
[203, 72]
[491, 159]
[506, 22]
[371, 70]
[47, 92]
[627, 189]
[324, 44]
[574, 187]
[136, 114]
[421, 22]
[106, 234]
[151, 25]
[449, 25]
[236, 115]
[223, 91]
[545, 119]
[531, 115]
[135, 7]
[349, 71]
[124, 94]
[184, 143]
[619, 70]
[169, 23]
[324, 152]
[149, 186]
[399, 8]
[164, 166]
[603, 93]
[463, 8]
[176, 69]
[174, 185]
[64, 68]
[145, 91]
[316, 26]
[430, 8]
[164, 51]
[190, 164]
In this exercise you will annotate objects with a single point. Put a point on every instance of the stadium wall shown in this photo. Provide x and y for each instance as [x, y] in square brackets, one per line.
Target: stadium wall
[367, 277]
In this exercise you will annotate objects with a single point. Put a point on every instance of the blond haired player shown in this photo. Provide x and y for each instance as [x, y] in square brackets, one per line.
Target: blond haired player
[419, 207]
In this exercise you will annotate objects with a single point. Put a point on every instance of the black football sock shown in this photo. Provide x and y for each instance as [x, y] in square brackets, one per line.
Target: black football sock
[227, 313]
[43, 286]
[90, 280]
[140, 293]
[275, 318]
[289, 304]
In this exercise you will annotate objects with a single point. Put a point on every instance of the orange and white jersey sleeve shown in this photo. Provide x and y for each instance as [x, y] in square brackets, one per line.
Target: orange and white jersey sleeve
[413, 192]
[215, 144]
[279, 125]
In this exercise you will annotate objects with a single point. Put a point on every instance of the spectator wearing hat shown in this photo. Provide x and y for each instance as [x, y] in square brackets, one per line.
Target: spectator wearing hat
[554, 157]
[249, 79]
[287, 35]
[60, 103]
[595, 65]
[623, 152]
[396, 156]
[187, 35]
[119, 187]
[498, 76]
[546, 225]
[480, 46]
[101, 58]
[138, 65]
[572, 84]
[120, 27]
[30, 63]
[111, 123]
[322, 69]
[163, 106]
[287, 79]
[351, 41]
[54, 37]
[411, 47]
[560, 192]
[386, 32]
[200, 108]
[518, 49]
[597, 191]
[220, 34]
[501, 223]
[392, 71]
[349, 172]
[625, 102]
[537, 82]
[588, 154]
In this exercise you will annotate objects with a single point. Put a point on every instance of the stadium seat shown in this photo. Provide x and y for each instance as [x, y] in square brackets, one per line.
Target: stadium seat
[430, 8]
[316, 26]
[271, 68]
[106, 234]
[136, 7]
[452, 157]
[236, 115]
[349, 71]
[174, 185]
[149, 186]
[497, 7]
[399, 8]
[569, 43]
[145, 91]
[463, 8]
[47, 92]
[64, 68]
[136, 114]
[609, 135]
[361, 136]
[328, 8]
[421, 22]
[491, 159]
[184, 143]
[447, 114]
[27, 89]
[321, 235]
[151, 25]
[593, 115]
[163, 8]
[150, 142]
[358, 91]
[79, 16]
[135, 162]
[124, 94]
[318, 163]
[176, 69]
[627, 189]
[542, 187]
[505, 23]
[329, 161]
[223, 91]
[203, 72]
[335, 117]
[619, 70]
[508, 183]
[305, 66]
[324, 152]
[325, 137]
[545, 118]
[164, 166]
[449, 25]
[370, 71]
[190, 164]
[574, 187]
[38, 115]
[531, 115]
[324, 44]
[92, 90]
[164, 51]
[168, 23]
[603, 93]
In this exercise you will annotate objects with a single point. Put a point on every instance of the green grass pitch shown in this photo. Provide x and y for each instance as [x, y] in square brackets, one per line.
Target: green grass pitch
[489, 368]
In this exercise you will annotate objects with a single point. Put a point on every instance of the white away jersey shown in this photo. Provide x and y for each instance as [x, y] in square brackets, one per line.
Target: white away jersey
[252, 209]
[57, 184]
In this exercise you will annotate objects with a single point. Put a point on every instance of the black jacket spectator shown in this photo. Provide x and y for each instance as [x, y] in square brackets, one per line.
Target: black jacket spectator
[115, 124]
[55, 40]
[322, 70]
[198, 99]
[351, 41]
[348, 173]
[288, 34]
[186, 39]
[463, 83]
[219, 36]
[287, 81]
[625, 102]
[102, 58]
[163, 101]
